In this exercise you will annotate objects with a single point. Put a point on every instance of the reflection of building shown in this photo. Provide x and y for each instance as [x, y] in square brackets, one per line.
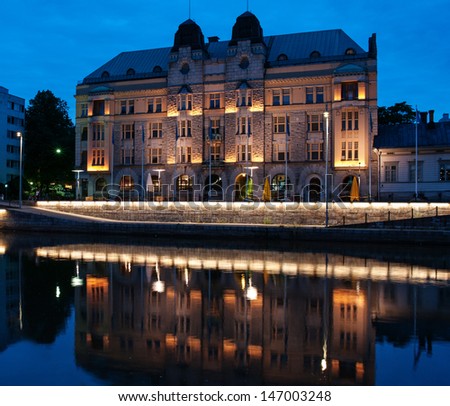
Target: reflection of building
[207, 112]
[197, 316]
[12, 115]
[10, 311]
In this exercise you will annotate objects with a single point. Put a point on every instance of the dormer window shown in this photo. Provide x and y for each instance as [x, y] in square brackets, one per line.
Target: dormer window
[350, 51]
[105, 74]
[131, 72]
[314, 54]
[157, 69]
[282, 57]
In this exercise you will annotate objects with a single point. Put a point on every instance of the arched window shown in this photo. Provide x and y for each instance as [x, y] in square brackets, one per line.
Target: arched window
[157, 69]
[350, 51]
[131, 72]
[105, 74]
[281, 188]
[282, 57]
[100, 185]
[314, 54]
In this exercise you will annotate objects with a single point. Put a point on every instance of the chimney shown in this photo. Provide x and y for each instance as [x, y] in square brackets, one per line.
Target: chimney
[213, 39]
[431, 124]
[423, 117]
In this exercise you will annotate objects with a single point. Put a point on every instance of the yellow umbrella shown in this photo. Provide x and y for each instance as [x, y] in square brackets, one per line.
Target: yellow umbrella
[266, 191]
[354, 191]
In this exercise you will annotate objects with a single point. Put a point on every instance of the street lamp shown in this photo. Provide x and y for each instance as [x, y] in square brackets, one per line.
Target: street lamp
[77, 191]
[19, 134]
[326, 115]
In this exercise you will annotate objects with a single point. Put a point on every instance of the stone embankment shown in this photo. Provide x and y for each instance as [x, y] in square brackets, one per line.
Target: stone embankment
[287, 214]
[423, 224]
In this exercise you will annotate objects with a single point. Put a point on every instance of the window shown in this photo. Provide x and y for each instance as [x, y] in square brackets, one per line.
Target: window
[215, 152]
[314, 95]
[185, 101]
[214, 101]
[350, 120]
[315, 122]
[84, 109]
[350, 151]
[444, 171]
[98, 157]
[279, 124]
[84, 134]
[314, 151]
[349, 91]
[185, 128]
[279, 152]
[98, 108]
[154, 155]
[184, 154]
[127, 156]
[98, 132]
[127, 107]
[156, 130]
[241, 152]
[126, 182]
[281, 97]
[244, 125]
[412, 171]
[244, 97]
[214, 129]
[154, 105]
[390, 172]
[127, 131]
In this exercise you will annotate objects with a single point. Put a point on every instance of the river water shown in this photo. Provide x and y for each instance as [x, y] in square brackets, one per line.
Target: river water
[92, 310]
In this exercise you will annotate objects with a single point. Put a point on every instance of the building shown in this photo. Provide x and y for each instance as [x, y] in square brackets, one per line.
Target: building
[218, 118]
[12, 120]
[403, 149]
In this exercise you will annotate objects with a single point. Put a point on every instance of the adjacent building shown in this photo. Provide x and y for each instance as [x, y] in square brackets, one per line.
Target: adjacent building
[218, 119]
[12, 120]
[421, 148]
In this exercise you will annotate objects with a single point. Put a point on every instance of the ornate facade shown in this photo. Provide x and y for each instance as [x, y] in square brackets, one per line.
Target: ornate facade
[219, 119]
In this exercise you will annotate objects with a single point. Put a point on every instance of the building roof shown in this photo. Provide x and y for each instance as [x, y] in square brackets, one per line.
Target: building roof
[404, 135]
[288, 49]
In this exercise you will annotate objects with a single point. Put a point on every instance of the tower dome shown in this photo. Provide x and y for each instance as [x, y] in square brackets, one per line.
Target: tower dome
[189, 34]
[247, 27]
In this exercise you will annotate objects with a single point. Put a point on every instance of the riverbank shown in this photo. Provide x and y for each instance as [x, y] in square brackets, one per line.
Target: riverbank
[431, 230]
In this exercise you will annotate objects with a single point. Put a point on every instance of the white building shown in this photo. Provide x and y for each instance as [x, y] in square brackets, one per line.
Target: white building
[12, 120]
[399, 158]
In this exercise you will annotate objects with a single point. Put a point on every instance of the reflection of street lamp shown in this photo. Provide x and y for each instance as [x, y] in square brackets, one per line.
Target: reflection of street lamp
[159, 178]
[77, 191]
[19, 134]
[158, 286]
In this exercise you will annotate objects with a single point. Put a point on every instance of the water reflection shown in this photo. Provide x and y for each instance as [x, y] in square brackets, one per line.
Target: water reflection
[193, 316]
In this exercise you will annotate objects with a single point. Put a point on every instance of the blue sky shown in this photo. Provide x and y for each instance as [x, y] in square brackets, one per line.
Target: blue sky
[53, 44]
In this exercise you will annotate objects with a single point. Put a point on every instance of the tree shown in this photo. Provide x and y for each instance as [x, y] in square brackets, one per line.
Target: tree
[399, 113]
[49, 141]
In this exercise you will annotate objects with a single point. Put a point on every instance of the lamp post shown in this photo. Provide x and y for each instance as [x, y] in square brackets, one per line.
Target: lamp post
[77, 190]
[326, 115]
[19, 134]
